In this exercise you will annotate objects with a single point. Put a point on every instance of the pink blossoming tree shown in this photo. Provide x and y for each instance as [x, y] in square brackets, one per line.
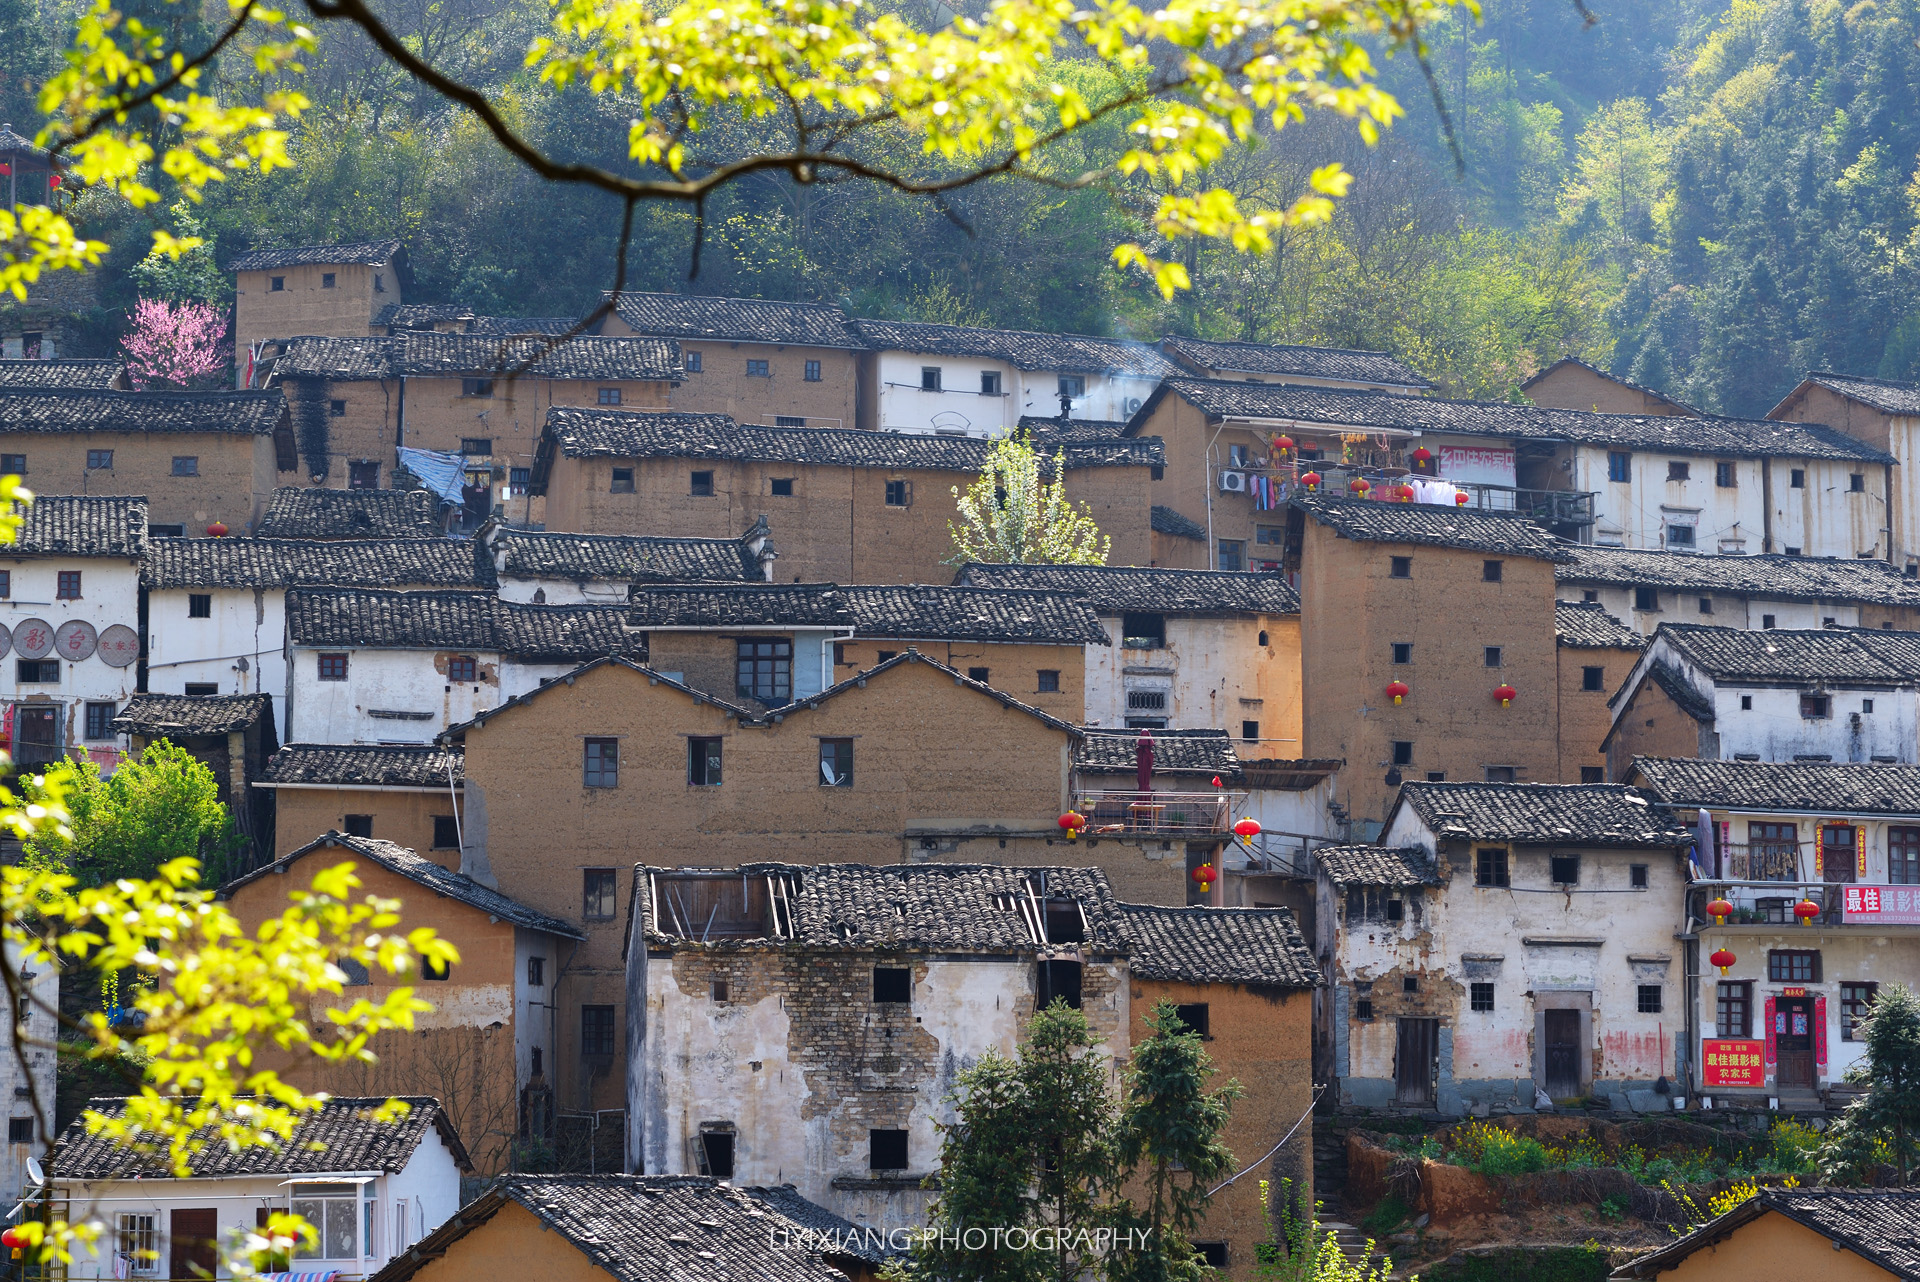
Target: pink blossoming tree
[173, 345]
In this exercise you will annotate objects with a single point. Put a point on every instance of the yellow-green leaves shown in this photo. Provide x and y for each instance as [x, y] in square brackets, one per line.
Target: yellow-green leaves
[1013, 513]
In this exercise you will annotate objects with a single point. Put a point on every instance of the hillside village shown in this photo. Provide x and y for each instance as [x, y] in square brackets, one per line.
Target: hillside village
[1439, 760]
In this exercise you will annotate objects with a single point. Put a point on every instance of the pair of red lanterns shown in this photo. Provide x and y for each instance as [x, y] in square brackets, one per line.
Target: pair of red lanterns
[1398, 690]
[1720, 909]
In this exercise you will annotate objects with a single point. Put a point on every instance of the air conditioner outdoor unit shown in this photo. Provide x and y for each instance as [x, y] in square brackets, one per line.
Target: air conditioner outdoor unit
[1133, 405]
[1233, 482]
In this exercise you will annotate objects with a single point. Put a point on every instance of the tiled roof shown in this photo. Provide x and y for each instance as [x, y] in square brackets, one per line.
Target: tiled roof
[586, 433]
[1684, 696]
[1115, 589]
[170, 714]
[1879, 1225]
[61, 373]
[426, 353]
[1378, 865]
[1881, 394]
[1672, 434]
[75, 525]
[368, 619]
[298, 512]
[1797, 654]
[1586, 625]
[314, 563]
[524, 554]
[1022, 349]
[340, 1135]
[1261, 946]
[1343, 363]
[99, 410]
[372, 253]
[1047, 433]
[1577, 363]
[1587, 814]
[396, 316]
[909, 611]
[1819, 787]
[367, 766]
[856, 1243]
[10, 140]
[1372, 521]
[1168, 521]
[424, 872]
[1202, 753]
[1786, 578]
[655, 1228]
[746, 320]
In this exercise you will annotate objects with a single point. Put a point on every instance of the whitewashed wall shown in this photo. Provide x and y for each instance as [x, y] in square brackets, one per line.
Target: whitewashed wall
[241, 647]
[109, 595]
[1208, 665]
[43, 988]
[1729, 611]
[402, 681]
[961, 407]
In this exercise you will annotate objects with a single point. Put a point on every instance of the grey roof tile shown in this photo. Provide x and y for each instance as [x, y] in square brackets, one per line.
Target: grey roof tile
[369, 619]
[525, 554]
[1882, 394]
[1202, 753]
[1818, 787]
[1586, 625]
[95, 375]
[426, 353]
[1168, 521]
[1797, 654]
[747, 320]
[76, 525]
[587, 433]
[1364, 865]
[366, 765]
[1587, 814]
[182, 714]
[314, 563]
[1023, 349]
[1879, 1225]
[1673, 434]
[1349, 364]
[1374, 521]
[1257, 946]
[371, 253]
[1050, 433]
[340, 1135]
[1149, 589]
[1684, 696]
[398, 316]
[909, 611]
[1787, 578]
[299, 512]
[423, 872]
[101, 410]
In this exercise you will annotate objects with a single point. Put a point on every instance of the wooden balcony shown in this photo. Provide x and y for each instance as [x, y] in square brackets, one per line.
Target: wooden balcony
[1157, 814]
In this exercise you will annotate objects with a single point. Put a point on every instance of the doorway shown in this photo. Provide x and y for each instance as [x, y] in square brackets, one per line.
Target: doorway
[36, 734]
[193, 1245]
[1793, 1040]
[1562, 1053]
[1837, 853]
[1416, 1059]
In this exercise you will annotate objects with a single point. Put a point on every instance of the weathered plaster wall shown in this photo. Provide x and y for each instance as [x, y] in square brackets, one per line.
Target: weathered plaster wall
[240, 647]
[109, 594]
[303, 307]
[1215, 672]
[402, 816]
[237, 472]
[1573, 387]
[1585, 717]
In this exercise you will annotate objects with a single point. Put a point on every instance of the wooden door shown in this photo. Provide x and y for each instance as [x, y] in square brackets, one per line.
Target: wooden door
[36, 734]
[1415, 1058]
[1793, 1037]
[1837, 853]
[1563, 1053]
[193, 1243]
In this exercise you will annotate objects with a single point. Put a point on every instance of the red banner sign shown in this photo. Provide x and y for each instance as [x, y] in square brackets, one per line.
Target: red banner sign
[1733, 1062]
[1773, 1045]
[1820, 1033]
[1880, 905]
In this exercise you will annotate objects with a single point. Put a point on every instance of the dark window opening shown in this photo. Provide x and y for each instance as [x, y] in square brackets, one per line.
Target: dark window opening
[359, 825]
[1250, 731]
[1797, 478]
[1212, 1254]
[1646, 599]
[990, 382]
[1501, 774]
[1724, 476]
[99, 460]
[1490, 571]
[977, 674]
[1856, 1003]
[899, 493]
[1396, 910]
[1403, 652]
[1637, 876]
[336, 409]
[1233, 555]
[716, 1154]
[596, 1031]
[1480, 996]
[13, 464]
[1363, 1010]
[100, 720]
[1491, 655]
[1766, 620]
[1593, 679]
[812, 372]
[1857, 483]
[1401, 567]
[19, 1130]
[476, 387]
[789, 420]
[446, 832]
[435, 968]
[1734, 1013]
[700, 484]
[892, 984]
[536, 972]
[836, 763]
[1058, 981]
[202, 689]
[67, 587]
[1194, 1016]
[599, 887]
[622, 481]
[276, 284]
[1680, 536]
[1143, 631]
[693, 362]
[1677, 470]
[363, 474]
[1049, 680]
[326, 280]
[703, 762]
[608, 396]
[1619, 466]
[1650, 999]
[1815, 706]
[782, 487]
[602, 765]
[759, 369]
[1409, 983]
[1490, 867]
[1402, 752]
[1793, 965]
[1564, 870]
[763, 669]
[887, 1150]
[929, 378]
[199, 605]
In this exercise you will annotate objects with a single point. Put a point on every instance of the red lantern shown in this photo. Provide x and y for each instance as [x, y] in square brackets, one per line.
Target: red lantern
[1720, 910]
[1203, 877]
[1398, 690]
[13, 1238]
[1217, 783]
[1459, 498]
[1284, 444]
[1806, 910]
[218, 530]
[1406, 493]
[1423, 455]
[1311, 480]
[1723, 958]
[1359, 486]
[1506, 695]
[1073, 821]
[1247, 829]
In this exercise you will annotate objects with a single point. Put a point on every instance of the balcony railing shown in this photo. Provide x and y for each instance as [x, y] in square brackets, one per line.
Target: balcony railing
[1161, 814]
[1768, 901]
[1551, 508]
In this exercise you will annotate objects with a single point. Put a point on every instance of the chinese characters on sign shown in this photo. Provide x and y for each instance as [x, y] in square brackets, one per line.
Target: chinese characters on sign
[1733, 1062]
[1881, 905]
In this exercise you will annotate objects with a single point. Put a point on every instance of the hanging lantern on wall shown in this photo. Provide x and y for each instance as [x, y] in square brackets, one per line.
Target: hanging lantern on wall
[1422, 455]
[1203, 877]
[1398, 690]
[1723, 958]
[1284, 445]
[1073, 821]
[1311, 480]
[1719, 910]
[1807, 911]
[1359, 486]
[1217, 783]
[217, 530]
[1505, 694]
[1247, 829]
[1459, 498]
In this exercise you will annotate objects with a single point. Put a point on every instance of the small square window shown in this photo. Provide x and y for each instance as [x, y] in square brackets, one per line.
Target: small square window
[1250, 732]
[519, 481]
[700, 485]
[782, 487]
[202, 689]
[1857, 483]
[1396, 910]
[336, 409]
[476, 387]
[1746, 703]
[721, 991]
[599, 889]
[693, 362]
[813, 372]
[1590, 594]
[887, 1150]
[1593, 774]
[1074, 385]
[536, 972]
[622, 481]
[1564, 870]
[1195, 1016]
[1706, 605]
[1797, 478]
[1402, 752]
[1724, 476]
[990, 382]
[1491, 655]
[608, 396]
[703, 762]
[1680, 536]
[1409, 984]
[19, 1130]
[1233, 555]
[1593, 678]
[1619, 466]
[99, 460]
[1637, 876]
[463, 668]
[1866, 705]
[1490, 867]
[326, 280]
[1677, 470]
[789, 420]
[1650, 1002]
[480, 446]
[100, 720]
[899, 493]
[1646, 599]
[1403, 652]
[276, 284]
[1766, 621]
[1363, 1009]
[1501, 774]
[977, 674]
[1049, 680]
[333, 667]
[359, 825]
[602, 767]
[1480, 996]
[1815, 707]
[446, 832]
[1490, 571]
[67, 586]
[836, 763]
[379, 283]
[199, 605]
[1400, 567]
[363, 474]
[186, 465]
[893, 984]
[13, 464]
[759, 369]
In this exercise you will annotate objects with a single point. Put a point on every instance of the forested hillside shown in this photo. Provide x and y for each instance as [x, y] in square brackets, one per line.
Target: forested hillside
[1707, 198]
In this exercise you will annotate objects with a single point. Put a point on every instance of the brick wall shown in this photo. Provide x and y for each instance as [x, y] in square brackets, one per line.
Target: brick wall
[1573, 387]
[304, 307]
[236, 472]
[1585, 717]
[1653, 725]
[723, 386]
[404, 818]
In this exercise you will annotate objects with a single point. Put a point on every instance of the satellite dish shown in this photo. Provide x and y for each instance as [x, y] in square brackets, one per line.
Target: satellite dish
[35, 1173]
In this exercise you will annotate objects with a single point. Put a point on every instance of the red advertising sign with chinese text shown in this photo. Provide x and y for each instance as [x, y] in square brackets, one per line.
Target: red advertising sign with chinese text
[1880, 905]
[1733, 1062]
